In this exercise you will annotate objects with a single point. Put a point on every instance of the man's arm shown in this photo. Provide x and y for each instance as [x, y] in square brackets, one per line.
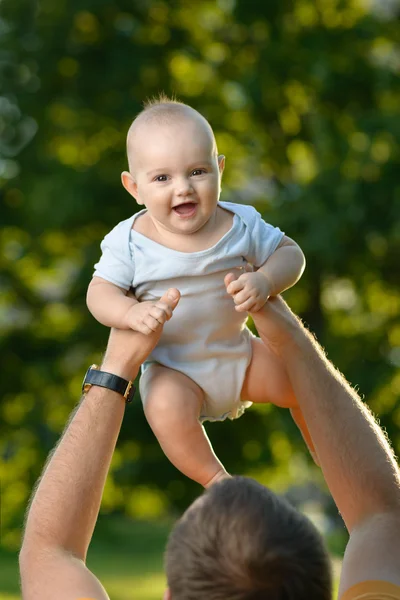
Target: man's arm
[357, 461]
[65, 506]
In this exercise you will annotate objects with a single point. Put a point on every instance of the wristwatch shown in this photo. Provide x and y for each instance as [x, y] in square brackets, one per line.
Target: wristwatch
[107, 380]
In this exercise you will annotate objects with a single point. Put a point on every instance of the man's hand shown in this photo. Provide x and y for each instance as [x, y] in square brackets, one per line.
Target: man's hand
[127, 349]
[249, 291]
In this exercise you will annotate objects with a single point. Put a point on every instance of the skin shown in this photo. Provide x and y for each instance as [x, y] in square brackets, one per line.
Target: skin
[174, 163]
[363, 477]
[170, 164]
[356, 459]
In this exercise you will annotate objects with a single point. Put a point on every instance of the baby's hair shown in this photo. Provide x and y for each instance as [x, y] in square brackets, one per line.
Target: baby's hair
[159, 99]
[164, 110]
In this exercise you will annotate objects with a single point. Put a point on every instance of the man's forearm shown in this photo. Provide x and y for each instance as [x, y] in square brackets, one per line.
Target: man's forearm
[65, 506]
[284, 268]
[356, 459]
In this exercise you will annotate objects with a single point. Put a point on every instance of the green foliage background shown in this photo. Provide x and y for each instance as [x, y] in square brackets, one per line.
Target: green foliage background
[304, 99]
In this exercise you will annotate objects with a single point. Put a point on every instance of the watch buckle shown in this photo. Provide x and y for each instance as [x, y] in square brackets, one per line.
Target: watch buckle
[87, 386]
[128, 389]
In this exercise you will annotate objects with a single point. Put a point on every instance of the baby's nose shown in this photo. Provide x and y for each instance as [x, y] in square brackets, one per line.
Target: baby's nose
[184, 187]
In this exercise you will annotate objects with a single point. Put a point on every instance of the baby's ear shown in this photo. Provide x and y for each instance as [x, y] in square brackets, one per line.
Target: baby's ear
[130, 185]
[221, 163]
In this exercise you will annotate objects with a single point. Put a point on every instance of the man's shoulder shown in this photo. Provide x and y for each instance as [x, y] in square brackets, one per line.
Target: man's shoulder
[372, 590]
[372, 558]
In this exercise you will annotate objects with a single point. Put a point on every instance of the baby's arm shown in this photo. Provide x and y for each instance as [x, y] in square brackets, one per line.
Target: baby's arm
[284, 267]
[112, 307]
[279, 272]
[108, 303]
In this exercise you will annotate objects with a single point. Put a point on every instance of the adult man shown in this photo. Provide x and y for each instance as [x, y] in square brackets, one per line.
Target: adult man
[354, 455]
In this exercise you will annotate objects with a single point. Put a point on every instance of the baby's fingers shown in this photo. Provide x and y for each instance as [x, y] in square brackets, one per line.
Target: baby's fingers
[246, 306]
[229, 278]
[143, 328]
[152, 323]
[242, 296]
[160, 314]
[235, 286]
[164, 312]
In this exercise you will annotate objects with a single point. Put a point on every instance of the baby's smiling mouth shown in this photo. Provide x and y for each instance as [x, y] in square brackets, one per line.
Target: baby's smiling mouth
[187, 208]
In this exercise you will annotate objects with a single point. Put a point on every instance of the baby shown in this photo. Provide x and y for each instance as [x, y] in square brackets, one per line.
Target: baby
[207, 365]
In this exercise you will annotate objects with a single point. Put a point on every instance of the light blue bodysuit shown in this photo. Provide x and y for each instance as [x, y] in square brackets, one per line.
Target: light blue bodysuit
[206, 339]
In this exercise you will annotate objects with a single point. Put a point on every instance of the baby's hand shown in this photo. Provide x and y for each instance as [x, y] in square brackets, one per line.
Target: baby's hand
[147, 317]
[249, 292]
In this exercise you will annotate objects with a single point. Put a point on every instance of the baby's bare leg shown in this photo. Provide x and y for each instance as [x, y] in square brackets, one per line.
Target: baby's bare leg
[172, 403]
[266, 381]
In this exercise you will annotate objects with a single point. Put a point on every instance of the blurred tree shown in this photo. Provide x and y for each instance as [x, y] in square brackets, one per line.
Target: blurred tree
[303, 97]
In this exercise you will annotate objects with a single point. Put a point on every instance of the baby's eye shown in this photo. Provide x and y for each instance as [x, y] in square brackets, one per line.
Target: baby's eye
[161, 178]
[198, 171]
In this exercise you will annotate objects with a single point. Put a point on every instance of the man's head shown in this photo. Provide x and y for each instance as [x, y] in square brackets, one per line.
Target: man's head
[173, 161]
[239, 541]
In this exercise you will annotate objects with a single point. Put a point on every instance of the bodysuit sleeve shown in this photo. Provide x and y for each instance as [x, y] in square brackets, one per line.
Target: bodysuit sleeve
[264, 238]
[116, 263]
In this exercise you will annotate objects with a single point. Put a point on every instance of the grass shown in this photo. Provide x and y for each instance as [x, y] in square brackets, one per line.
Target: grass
[126, 556]
[9, 579]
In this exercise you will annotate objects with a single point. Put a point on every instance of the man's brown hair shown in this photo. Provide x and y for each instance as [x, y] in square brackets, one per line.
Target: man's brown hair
[240, 541]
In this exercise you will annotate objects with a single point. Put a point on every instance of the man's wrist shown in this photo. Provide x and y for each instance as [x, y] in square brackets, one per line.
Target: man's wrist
[120, 369]
[297, 341]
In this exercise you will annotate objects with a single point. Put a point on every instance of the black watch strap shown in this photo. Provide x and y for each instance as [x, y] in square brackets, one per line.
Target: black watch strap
[110, 381]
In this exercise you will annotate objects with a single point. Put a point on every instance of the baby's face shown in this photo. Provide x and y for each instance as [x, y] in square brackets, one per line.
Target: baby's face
[176, 174]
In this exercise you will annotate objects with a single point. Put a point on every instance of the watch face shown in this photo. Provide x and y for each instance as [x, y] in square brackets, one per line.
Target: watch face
[86, 386]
